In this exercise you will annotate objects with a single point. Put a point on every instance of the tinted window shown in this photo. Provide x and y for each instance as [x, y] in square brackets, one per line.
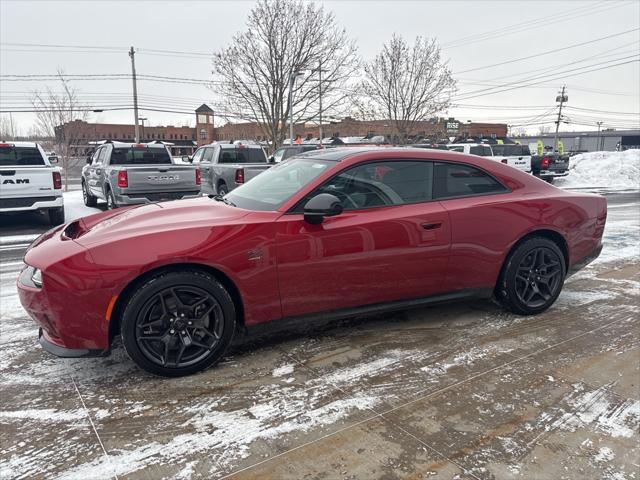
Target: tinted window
[481, 150]
[510, 150]
[20, 156]
[140, 156]
[381, 183]
[455, 180]
[242, 155]
[456, 149]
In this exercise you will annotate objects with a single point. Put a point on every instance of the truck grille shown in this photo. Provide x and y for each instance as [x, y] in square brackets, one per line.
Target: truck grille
[23, 202]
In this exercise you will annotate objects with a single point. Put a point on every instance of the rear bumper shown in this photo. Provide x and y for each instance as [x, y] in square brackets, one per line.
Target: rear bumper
[144, 198]
[584, 261]
[30, 203]
[551, 173]
[59, 351]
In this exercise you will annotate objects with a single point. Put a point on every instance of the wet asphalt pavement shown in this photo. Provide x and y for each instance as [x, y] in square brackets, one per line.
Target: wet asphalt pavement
[456, 391]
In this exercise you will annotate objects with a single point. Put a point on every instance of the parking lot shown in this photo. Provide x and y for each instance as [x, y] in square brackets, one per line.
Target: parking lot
[455, 391]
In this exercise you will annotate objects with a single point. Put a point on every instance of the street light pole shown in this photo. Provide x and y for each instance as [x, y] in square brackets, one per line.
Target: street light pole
[132, 54]
[599, 138]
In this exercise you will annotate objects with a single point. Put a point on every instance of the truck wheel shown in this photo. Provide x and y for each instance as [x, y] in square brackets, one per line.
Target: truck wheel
[111, 201]
[178, 323]
[223, 189]
[56, 216]
[89, 200]
[549, 180]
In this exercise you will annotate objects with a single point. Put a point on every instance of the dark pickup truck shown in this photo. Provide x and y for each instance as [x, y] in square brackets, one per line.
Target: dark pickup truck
[549, 165]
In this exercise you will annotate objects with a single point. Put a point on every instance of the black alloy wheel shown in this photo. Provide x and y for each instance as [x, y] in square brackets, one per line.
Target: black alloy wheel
[532, 277]
[178, 323]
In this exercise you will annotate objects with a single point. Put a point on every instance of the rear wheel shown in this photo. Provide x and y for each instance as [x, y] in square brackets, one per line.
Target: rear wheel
[532, 277]
[111, 201]
[89, 200]
[178, 323]
[548, 180]
[56, 216]
[223, 189]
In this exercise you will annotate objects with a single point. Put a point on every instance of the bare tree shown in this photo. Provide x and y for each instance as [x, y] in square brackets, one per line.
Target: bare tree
[284, 37]
[406, 84]
[544, 129]
[8, 128]
[61, 116]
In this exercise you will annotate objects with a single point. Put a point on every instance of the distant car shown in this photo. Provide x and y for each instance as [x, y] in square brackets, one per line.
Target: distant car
[28, 181]
[286, 152]
[130, 174]
[225, 166]
[550, 165]
[329, 234]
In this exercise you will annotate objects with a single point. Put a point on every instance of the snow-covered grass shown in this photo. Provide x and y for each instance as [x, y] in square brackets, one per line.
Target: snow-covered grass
[75, 208]
[603, 170]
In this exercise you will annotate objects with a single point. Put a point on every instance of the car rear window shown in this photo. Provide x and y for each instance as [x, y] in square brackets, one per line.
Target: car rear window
[510, 150]
[140, 156]
[20, 156]
[242, 155]
[455, 180]
[480, 150]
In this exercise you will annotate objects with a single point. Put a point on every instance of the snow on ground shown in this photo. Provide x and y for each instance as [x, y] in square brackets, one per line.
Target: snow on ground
[74, 206]
[609, 170]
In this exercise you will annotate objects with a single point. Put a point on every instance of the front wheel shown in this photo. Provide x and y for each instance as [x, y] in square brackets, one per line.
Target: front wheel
[532, 277]
[178, 323]
[549, 180]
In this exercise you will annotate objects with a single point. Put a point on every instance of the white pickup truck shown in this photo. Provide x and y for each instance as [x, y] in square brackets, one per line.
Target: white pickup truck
[517, 156]
[29, 182]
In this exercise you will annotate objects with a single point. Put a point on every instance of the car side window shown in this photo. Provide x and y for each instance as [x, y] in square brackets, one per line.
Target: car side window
[381, 184]
[101, 156]
[457, 180]
[207, 156]
[198, 155]
[95, 158]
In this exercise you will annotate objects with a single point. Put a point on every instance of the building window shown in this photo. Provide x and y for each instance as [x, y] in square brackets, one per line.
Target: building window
[203, 134]
[202, 118]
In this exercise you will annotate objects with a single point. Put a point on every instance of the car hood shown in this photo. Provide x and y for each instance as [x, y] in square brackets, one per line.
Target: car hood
[152, 218]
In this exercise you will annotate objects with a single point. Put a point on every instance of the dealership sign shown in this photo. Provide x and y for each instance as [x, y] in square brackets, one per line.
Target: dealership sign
[452, 126]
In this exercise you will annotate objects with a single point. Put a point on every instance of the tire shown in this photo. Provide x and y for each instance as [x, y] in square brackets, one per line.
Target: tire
[89, 200]
[532, 277]
[56, 216]
[111, 201]
[223, 189]
[187, 311]
[549, 180]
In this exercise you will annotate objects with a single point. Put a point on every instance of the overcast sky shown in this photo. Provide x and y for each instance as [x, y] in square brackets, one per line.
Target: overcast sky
[473, 34]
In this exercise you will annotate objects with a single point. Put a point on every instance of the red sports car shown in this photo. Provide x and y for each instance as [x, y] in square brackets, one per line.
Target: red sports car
[332, 233]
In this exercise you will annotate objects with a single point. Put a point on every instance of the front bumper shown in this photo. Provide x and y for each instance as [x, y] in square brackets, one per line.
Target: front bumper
[63, 352]
[30, 204]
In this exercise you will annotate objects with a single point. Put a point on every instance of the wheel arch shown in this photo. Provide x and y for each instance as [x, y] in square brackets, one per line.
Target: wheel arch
[127, 291]
[547, 233]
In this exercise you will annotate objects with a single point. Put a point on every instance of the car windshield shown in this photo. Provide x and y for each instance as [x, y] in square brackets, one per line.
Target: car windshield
[20, 156]
[140, 156]
[269, 190]
[242, 155]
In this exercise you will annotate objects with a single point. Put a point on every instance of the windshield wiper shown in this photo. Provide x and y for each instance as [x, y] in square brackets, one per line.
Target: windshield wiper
[220, 198]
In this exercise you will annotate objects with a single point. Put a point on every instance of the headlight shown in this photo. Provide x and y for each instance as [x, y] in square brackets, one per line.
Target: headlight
[36, 278]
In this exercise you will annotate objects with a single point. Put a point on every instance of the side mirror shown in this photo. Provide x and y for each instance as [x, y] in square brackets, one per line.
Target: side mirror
[271, 159]
[89, 160]
[187, 158]
[320, 206]
[53, 159]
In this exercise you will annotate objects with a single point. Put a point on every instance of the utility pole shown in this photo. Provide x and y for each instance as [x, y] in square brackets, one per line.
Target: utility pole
[292, 79]
[320, 97]
[142, 120]
[599, 138]
[132, 54]
[560, 98]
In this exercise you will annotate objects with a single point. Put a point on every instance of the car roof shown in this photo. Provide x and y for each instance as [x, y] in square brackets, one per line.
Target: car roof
[20, 144]
[235, 145]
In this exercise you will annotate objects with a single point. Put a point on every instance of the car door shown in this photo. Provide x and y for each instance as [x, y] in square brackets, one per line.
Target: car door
[101, 169]
[94, 172]
[483, 223]
[206, 170]
[391, 242]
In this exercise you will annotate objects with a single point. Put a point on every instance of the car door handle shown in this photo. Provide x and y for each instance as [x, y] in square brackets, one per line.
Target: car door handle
[431, 226]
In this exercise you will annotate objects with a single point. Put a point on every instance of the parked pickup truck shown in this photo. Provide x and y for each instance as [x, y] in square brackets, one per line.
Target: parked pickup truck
[128, 174]
[28, 181]
[513, 154]
[224, 166]
[521, 162]
[548, 164]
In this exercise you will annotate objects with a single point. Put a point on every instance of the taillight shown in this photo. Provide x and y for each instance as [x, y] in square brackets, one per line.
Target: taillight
[504, 160]
[545, 162]
[57, 180]
[123, 179]
[240, 175]
[198, 177]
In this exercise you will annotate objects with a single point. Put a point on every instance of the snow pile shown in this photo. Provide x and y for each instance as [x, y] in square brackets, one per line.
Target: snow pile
[610, 170]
